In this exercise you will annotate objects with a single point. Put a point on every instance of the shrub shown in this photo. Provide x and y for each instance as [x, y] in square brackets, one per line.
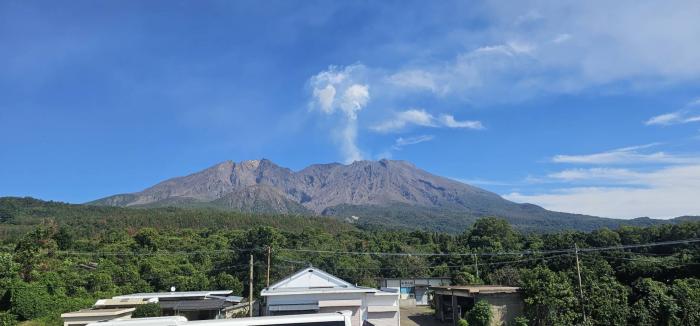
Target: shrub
[147, 310]
[480, 314]
[462, 322]
[7, 319]
[521, 321]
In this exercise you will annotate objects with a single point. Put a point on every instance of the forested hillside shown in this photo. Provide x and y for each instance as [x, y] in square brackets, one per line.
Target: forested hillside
[57, 267]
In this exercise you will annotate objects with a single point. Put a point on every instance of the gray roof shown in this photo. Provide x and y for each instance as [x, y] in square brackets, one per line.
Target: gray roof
[189, 305]
[175, 295]
[483, 289]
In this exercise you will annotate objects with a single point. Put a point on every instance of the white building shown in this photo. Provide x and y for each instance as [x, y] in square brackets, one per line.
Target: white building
[312, 290]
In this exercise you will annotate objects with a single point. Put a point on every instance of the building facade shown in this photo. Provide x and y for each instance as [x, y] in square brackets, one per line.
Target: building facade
[312, 290]
[414, 290]
[452, 302]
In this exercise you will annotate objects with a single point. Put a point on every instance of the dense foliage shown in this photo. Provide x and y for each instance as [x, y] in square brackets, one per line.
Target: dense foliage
[147, 310]
[58, 266]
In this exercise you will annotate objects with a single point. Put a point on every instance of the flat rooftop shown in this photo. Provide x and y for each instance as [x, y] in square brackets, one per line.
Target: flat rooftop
[174, 295]
[97, 312]
[485, 289]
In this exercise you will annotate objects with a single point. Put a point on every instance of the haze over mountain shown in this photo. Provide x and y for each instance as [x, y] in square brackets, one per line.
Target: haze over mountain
[387, 192]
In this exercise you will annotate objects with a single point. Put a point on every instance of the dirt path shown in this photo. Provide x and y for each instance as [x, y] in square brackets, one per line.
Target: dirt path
[422, 316]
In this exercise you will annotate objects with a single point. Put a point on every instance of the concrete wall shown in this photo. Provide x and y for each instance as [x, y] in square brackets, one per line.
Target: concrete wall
[504, 307]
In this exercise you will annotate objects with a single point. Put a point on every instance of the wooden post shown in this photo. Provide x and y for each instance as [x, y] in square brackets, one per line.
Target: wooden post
[580, 286]
[250, 288]
[267, 281]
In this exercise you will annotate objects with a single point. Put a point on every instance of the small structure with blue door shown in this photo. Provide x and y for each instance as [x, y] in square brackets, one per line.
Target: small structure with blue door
[414, 288]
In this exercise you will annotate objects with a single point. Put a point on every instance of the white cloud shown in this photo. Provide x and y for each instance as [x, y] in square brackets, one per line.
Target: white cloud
[416, 79]
[565, 47]
[650, 184]
[597, 175]
[627, 155]
[355, 96]
[401, 141]
[422, 118]
[663, 193]
[686, 115]
[450, 122]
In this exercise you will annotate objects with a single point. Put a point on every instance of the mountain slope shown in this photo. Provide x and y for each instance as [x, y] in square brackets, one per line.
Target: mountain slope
[378, 192]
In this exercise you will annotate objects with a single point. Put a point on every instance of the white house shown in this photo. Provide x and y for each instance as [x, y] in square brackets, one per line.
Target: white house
[312, 290]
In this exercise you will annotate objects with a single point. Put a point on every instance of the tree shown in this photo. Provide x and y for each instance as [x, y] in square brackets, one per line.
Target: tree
[147, 310]
[606, 301]
[480, 314]
[505, 276]
[224, 281]
[549, 297]
[686, 292]
[147, 238]
[464, 277]
[8, 268]
[652, 305]
[492, 234]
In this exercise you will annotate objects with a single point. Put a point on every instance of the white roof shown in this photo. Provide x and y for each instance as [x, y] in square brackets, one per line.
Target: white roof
[250, 321]
[174, 295]
[97, 313]
[312, 280]
[155, 321]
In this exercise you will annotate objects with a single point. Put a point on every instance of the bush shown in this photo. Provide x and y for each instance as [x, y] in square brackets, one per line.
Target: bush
[462, 322]
[29, 301]
[480, 314]
[521, 321]
[147, 310]
[7, 319]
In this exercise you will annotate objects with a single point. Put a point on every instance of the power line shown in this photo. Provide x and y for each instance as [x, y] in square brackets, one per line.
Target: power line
[512, 253]
[374, 253]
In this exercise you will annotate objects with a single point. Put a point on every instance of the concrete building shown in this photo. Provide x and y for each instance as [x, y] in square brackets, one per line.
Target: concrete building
[312, 290]
[195, 305]
[87, 316]
[451, 302]
[414, 290]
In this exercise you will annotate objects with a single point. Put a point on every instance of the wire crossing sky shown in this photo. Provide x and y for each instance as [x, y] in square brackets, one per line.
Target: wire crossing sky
[587, 107]
[372, 253]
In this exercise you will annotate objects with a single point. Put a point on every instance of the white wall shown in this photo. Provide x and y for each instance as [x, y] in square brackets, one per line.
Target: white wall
[368, 299]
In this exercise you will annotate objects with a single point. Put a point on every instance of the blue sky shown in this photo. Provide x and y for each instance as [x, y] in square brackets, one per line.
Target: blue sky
[589, 107]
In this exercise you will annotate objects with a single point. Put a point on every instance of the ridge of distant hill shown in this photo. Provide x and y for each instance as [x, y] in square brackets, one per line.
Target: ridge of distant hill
[386, 192]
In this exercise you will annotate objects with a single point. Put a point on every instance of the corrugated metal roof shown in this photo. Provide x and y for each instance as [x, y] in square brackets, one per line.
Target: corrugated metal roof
[97, 312]
[188, 305]
[478, 288]
[293, 307]
[175, 295]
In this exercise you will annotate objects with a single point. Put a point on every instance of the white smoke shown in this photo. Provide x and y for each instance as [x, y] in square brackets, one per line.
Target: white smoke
[339, 90]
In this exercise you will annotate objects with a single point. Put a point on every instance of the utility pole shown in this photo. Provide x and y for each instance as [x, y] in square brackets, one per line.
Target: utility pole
[580, 287]
[476, 265]
[267, 281]
[250, 288]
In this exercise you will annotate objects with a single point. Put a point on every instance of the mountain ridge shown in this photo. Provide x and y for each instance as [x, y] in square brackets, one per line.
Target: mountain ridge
[384, 192]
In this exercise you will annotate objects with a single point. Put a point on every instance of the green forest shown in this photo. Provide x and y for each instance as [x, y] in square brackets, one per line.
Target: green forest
[58, 257]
